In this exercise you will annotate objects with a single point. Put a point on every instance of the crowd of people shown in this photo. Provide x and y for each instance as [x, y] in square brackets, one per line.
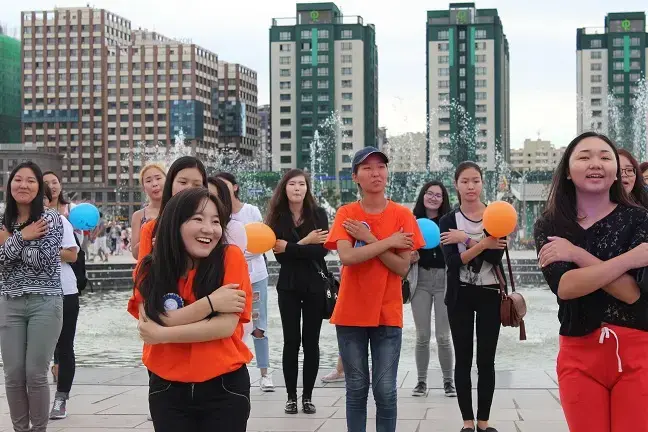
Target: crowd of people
[199, 293]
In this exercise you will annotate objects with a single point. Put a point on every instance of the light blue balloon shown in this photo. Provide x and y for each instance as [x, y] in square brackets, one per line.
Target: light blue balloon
[84, 217]
[430, 231]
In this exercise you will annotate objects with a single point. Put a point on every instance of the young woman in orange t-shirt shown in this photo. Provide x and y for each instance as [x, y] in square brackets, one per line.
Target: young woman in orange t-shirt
[191, 328]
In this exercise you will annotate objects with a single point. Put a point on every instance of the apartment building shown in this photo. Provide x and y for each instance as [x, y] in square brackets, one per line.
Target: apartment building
[611, 63]
[536, 155]
[322, 62]
[467, 86]
[265, 137]
[238, 114]
[10, 100]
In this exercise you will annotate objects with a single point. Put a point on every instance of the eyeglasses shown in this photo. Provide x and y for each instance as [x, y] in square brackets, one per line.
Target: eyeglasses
[628, 172]
[434, 195]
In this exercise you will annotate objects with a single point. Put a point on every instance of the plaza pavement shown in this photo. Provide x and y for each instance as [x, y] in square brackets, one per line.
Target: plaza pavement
[115, 400]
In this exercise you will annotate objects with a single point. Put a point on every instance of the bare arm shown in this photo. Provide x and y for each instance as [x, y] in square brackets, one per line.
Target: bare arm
[583, 281]
[398, 263]
[350, 255]
[69, 255]
[136, 222]
[624, 288]
[220, 327]
[470, 254]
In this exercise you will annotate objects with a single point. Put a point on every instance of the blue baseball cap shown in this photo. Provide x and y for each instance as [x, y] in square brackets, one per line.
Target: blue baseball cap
[364, 153]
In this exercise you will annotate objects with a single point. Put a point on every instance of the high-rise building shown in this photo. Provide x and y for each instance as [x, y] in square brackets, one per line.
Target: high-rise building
[265, 137]
[10, 73]
[239, 119]
[611, 64]
[322, 62]
[536, 155]
[467, 86]
[97, 91]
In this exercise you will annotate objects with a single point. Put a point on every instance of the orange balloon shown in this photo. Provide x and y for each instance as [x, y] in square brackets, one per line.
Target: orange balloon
[500, 219]
[260, 237]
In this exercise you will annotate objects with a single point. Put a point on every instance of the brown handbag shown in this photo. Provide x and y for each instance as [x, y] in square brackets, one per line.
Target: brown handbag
[513, 306]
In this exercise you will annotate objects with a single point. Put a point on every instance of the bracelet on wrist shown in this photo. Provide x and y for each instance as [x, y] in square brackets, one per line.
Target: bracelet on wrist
[210, 304]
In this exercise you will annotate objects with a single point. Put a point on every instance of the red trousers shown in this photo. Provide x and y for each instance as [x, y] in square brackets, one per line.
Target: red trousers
[603, 380]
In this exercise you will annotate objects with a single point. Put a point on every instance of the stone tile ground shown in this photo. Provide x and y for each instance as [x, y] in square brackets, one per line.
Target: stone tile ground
[115, 400]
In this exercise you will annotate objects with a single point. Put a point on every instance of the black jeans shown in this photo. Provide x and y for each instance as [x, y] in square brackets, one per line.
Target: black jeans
[220, 404]
[291, 306]
[64, 352]
[485, 304]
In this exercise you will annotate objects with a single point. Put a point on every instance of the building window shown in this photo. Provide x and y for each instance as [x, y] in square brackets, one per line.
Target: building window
[307, 72]
[618, 66]
[307, 84]
[347, 84]
[635, 65]
[462, 34]
[306, 46]
[443, 59]
[595, 55]
[286, 147]
[635, 41]
[480, 95]
[347, 146]
[348, 121]
[462, 85]
[284, 97]
[596, 66]
[323, 46]
[462, 72]
[285, 159]
[323, 97]
[595, 102]
[285, 36]
[634, 77]
[307, 98]
[481, 58]
[322, 58]
[462, 97]
[347, 96]
[617, 54]
[285, 134]
[443, 35]
[480, 71]
[322, 34]
[444, 97]
[306, 34]
[284, 72]
[347, 58]
[443, 46]
[462, 59]
[617, 42]
[480, 46]
[306, 59]
[284, 85]
[285, 47]
[346, 46]
[347, 108]
[480, 34]
[480, 108]
[635, 53]
[322, 71]
[480, 83]
[284, 60]
[596, 43]
[618, 89]
[444, 84]
[322, 84]
[285, 109]
[346, 71]
[284, 122]
[596, 90]
[596, 78]
[347, 34]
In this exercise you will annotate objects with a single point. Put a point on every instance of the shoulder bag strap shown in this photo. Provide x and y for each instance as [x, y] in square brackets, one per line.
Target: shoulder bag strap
[510, 271]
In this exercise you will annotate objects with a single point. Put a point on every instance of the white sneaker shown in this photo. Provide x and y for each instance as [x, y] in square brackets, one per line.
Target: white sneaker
[148, 417]
[334, 376]
[266, 384]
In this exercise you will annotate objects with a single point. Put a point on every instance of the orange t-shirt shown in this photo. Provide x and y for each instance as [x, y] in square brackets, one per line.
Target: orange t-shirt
[146, 239]
[370, 294]
[202, 361]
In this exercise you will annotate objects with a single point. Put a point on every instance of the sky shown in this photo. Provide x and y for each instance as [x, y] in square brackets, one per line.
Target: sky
[541, 35]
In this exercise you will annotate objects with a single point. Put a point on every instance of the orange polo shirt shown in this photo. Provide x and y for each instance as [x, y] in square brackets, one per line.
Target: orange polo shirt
[202, 361]
[371, 294]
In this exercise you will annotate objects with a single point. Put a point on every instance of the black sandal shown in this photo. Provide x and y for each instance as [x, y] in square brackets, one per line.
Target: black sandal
[291, 407]
[308, 407]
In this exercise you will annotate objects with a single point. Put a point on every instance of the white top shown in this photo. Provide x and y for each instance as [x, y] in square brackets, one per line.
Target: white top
[256, 263]
[477, 271]
[68, 278]
[235, 234]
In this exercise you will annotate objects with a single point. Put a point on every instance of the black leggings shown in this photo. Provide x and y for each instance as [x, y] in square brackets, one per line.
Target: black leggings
[291, 305]
[220, 404]
[485, 303]
[64, 352]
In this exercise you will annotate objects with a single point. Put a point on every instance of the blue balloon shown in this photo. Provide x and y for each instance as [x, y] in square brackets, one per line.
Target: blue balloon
[84, 216]
[430, 231]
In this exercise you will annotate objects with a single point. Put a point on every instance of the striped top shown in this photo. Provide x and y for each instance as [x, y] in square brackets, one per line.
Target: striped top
[34, 266]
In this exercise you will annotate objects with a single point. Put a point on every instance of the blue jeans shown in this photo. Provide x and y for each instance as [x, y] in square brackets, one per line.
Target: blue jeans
[385, 353]
[260, 322]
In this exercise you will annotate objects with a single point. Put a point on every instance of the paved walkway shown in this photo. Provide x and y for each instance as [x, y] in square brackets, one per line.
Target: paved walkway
[115, 400]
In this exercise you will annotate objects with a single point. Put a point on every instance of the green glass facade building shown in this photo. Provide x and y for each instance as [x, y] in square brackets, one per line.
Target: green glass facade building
[323, 89]
[467, 69]
[10, 84]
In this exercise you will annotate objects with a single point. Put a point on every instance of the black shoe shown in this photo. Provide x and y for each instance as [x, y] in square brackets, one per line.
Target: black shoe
[488, 429]
[420, 389]
[449, 389]
[308, 407]
[291, 407]
[467, 430]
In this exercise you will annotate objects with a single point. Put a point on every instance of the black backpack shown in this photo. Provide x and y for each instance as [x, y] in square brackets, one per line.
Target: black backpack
[79, 267]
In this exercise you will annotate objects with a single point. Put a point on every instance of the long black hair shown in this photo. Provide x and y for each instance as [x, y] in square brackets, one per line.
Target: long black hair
[230, 178]
[638, 192]
[419, 207]
[223, 193]
[279, 214]
[463, 166]
[61, 197]
[37, 206]
[561, 211]
[178, 165]
[160, 271]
